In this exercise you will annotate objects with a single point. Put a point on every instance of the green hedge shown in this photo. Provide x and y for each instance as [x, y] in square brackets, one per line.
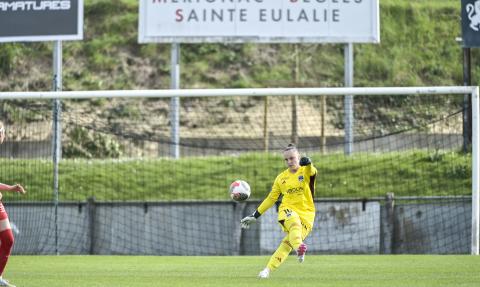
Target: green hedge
[207, 178]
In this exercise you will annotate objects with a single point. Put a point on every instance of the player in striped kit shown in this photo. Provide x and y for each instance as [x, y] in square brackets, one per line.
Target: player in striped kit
[6, 235]
[296, 212]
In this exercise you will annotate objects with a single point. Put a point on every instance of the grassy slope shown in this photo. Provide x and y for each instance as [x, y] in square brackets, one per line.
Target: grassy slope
[414, 50]
[360, 175]
[338, 271]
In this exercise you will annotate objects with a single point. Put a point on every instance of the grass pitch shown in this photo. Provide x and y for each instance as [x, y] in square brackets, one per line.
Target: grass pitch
[343, 270]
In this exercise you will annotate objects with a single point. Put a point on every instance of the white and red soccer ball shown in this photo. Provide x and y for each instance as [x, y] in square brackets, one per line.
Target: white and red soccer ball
[239, 190]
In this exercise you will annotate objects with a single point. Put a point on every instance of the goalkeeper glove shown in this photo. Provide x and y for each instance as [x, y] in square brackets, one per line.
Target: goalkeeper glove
[305, 161]
[245, 222]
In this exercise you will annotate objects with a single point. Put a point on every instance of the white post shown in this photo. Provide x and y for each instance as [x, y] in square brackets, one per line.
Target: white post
[475, 171]
[348, 104]
[57, 128]
[175, 102]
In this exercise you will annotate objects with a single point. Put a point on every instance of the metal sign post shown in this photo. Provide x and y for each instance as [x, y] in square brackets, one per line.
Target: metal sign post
[470, 11]
[467, 101]
[348, 104]
[57, 129]
[175, 102]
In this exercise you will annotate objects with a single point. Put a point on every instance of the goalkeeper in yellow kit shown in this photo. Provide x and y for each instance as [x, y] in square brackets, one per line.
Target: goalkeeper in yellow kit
[296, 213]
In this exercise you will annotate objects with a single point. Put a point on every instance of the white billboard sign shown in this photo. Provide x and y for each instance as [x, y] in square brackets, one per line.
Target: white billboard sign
[261, 21]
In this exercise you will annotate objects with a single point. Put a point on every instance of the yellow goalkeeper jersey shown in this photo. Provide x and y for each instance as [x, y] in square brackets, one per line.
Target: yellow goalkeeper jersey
[298, 190]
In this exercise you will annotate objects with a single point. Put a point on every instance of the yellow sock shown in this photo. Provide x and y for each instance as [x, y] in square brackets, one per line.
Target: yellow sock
[294, 227]
[280, 254]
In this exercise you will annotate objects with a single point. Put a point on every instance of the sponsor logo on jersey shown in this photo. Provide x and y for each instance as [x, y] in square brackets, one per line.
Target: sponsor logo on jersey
[295, 189]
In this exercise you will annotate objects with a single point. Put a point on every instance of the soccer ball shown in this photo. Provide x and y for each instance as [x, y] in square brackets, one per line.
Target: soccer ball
[239, 190]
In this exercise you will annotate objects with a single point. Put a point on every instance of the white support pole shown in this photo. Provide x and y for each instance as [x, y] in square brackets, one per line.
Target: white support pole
[175, 102]
[475, 171]
[348, 104]
[57, 129]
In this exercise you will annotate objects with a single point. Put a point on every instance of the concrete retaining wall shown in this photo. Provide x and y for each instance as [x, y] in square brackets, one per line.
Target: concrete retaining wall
[343, 227]
[212, 228]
